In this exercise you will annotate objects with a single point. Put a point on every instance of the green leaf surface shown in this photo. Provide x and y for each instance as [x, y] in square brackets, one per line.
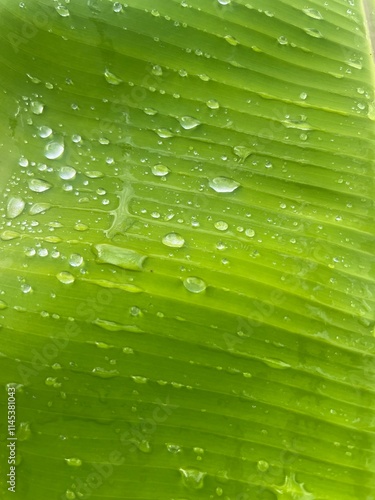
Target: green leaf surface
[187, 268]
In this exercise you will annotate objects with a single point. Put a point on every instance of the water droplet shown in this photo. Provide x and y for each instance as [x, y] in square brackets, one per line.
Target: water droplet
[250, 232]
[119, 256]
[54, 150]
[44, 132]
[231, 40]
[173, 240]
[39, 185]
[67, 173]
[224, 2]
[103, 373]
[3, 305]
[38, 208]
[139, 380]
[164, 133]
[223, 185]
[75, 260]
[242, 152]
[24, 431]
[282, 40]
[292, 489]
[65, 278]
[63, 12]
[262, 466]
[160, 170]
[94, 174]
[303, 96]
[313, 32]
[70, 495]
[192, 478]
[9, 235]
[25, 288]
[15, 207]
[188, 122]
[276, 363]
[194, 284]
[37, 107]
[111, 78]
[221, 225]
[315, 14]
[213, 104]
[157, 70]
[117, 7]
[79, 226]
[23, 162]
[73, 462]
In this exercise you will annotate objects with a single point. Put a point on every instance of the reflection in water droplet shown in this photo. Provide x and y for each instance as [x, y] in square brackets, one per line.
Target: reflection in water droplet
[223, 185]
[250, 232]
[67, 173]
[231, 40]
[39, 185]
[194, 284]
[282, 40]
[164, 133]
[25, 288]
[54, 150]
[111, 78]
[44, 132]
[173, 240]
[213, 104]
[94, 174]
[119, 256]
[188, 122]
[15, 207]
[224, 2]
[38, 208]
[192, 478]
[65, 278]
[160, 170]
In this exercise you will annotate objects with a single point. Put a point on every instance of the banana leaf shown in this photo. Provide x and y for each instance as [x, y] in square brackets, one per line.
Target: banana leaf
[187, 269]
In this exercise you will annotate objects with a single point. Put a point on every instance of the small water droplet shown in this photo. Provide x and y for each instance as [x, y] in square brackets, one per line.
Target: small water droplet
[303, 96]
[39, 185]
[188, 122]
[160, 170]
[262, 465]
[3, 305]
[224, 2]
[67, 173]
[70, 495]
[173, 240]
[164, 133]
[213, 104]
[25, 288]
[65, 278]
[15, 207]
[73, 462]
[242, 152]
[250, 232]
[194, 284]
[23, 162]
[94, 174]
[38, 208]
[119, 256]
[54, 150]
[117, 7]
[111, 78]
[223, 185]
[44, 132]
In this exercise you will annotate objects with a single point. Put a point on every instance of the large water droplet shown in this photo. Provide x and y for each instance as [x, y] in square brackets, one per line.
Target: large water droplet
[242, 152]
[173, 240]
[39, 185]
[194, 284]
[315, 14]
[38, 208]
[313, 32]
[213, 104]
[111, 78]
[119, 256]
[54, 150]
[15, 207]
[75, 260]
[160, 170]
[94, 174]
[192, 478]
[188, 122]
[103, 373]
[67, 173]
[223, 185]
[44, 132]
[65, 278]
[37, 107]
[164, 133]
[62, 10]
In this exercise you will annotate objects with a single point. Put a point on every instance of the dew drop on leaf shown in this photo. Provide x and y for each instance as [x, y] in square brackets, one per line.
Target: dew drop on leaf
[65, 278]
[111, 78]
[37, 107]
[54, 150]
[67, 173]
[223, 185]
[213, 104]
[73, 462]
[160, 170]
[173, 240]
[15, 207]
[39, 185]
[75, 260]
[192, 478]
[44, 131]
[62, 10]
[313, 32]
[221, 225]
[315, 14]
[194, 284]
[188, 122]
